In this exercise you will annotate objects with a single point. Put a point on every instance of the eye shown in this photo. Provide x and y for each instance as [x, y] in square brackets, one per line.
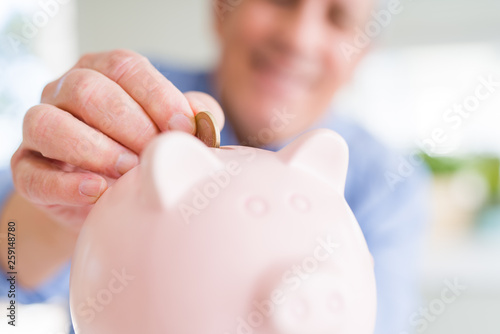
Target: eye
[284, 3]
[338, 16]
[300, 203]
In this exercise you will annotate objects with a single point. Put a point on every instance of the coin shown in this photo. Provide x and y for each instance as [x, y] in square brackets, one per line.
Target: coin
[207, 130]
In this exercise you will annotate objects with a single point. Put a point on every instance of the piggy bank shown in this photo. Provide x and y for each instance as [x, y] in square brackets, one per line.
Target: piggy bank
[234, 240]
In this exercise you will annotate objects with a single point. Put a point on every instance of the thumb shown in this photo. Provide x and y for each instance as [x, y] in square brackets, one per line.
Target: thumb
[203, 102]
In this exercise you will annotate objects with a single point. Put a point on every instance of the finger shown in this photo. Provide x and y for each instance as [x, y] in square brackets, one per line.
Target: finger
[203, 102]
[104, 105]
[161, 100]
[58, 135]
[41, 182]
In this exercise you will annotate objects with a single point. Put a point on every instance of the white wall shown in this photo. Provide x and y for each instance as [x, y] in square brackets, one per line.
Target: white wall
[37, 44]
[176, 30]
[181, 30]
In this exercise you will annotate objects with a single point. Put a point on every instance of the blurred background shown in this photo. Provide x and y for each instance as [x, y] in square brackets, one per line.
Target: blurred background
[431, 58]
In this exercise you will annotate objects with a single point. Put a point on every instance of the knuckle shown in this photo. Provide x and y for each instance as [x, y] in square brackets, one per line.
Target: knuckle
[19, 184]
[85, 59]
[146, 134]
[45, 187]
[156, 88]
[38, 187]
[168, 97]
[37, 123]
[28, 117]
[31, 123]
[82, 146]
[23, 182]
[120, 61]
[29, 184]
[14, 160]
[48, 89]
[82, 84]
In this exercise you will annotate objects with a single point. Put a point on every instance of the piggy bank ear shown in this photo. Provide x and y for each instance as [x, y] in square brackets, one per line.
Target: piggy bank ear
[172, 165]
[322, 153]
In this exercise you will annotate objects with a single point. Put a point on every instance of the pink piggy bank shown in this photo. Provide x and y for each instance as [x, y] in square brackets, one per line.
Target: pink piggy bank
[235, 240]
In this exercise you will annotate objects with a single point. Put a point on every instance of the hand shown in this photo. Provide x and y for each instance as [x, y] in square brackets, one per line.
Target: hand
[91, 126]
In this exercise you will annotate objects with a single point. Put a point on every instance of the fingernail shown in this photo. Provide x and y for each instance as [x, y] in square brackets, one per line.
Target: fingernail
[126, 162]
[92, 188]
[181, 122]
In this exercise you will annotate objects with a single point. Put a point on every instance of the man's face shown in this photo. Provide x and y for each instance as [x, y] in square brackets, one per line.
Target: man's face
[284, 54]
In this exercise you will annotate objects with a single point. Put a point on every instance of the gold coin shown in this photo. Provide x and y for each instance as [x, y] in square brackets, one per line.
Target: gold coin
[207, 130]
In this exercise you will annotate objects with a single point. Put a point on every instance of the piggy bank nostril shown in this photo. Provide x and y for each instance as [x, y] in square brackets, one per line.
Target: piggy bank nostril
[292, 314]
[256, 206]
[300, 203]
[334, 303]
[299, 309]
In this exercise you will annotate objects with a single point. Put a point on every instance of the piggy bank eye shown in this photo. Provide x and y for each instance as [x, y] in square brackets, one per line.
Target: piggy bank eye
[300, 203]
[256, 206]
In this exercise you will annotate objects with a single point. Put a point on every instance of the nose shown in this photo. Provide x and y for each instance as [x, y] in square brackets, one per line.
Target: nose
[303, 29]
[316, 307]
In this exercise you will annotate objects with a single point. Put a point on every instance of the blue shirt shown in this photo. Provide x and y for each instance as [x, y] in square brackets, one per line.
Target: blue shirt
[390, 206]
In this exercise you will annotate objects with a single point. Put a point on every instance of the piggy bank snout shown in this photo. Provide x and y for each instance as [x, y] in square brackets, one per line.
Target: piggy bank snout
[316, 305]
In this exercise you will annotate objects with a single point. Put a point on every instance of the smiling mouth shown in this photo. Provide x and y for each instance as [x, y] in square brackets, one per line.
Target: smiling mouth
[282, 75]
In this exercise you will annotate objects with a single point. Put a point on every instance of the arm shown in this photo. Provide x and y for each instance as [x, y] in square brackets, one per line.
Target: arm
[43, 246]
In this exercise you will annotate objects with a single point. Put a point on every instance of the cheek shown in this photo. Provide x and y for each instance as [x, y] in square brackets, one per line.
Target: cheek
[333, 72]
[336, 68]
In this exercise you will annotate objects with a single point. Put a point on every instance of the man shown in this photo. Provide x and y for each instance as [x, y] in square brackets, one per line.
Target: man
[279, 58]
